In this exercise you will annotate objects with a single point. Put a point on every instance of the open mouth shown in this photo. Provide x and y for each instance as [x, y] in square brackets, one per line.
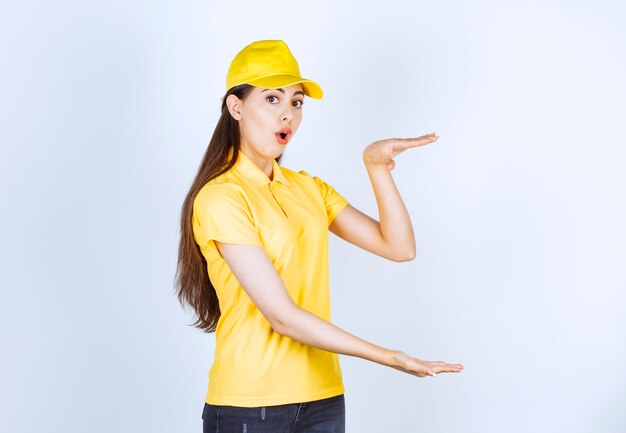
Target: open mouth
[283, 136]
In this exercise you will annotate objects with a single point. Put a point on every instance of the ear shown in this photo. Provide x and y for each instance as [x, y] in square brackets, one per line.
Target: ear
[234, 106]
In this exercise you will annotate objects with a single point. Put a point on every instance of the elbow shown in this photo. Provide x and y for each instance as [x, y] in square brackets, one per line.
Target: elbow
[280, 323]
[405, 257]
[278, 327]
[281, 328]
[400, 252]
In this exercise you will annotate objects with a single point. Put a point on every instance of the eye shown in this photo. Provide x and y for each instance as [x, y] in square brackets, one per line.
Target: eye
[270, 98]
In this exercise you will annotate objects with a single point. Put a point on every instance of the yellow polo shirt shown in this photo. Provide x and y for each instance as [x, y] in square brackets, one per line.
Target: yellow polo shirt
[289, 217]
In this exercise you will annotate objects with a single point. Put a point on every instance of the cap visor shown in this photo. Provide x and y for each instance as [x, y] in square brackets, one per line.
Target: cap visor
[311, 88]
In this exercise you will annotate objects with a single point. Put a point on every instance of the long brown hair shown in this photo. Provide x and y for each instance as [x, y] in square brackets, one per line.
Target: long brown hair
[192, 281]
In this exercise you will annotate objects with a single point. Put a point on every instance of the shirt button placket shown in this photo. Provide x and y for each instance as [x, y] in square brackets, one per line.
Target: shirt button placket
[272, 186]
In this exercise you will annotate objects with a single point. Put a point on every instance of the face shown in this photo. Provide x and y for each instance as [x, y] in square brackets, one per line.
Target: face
[263, 114]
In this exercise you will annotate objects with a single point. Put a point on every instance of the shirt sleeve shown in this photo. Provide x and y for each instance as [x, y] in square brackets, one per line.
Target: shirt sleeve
[333, 200]
[221, 212]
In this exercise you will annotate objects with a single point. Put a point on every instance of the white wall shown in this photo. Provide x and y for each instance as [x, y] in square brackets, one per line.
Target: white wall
[518, 208]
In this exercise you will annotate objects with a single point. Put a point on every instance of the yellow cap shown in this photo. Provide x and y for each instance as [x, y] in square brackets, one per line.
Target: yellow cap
[269, 64]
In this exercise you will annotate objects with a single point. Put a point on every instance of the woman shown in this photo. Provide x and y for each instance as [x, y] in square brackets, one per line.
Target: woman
[253, 257]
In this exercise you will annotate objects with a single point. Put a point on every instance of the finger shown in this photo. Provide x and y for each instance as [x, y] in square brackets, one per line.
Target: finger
[419, 141]
[438, 368]
[431, 135]
[423, 138]
[451, 365]
[452, 369]
[446, 364]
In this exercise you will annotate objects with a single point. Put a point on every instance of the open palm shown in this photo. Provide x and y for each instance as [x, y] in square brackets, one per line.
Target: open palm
[382, 152]
[422, 368]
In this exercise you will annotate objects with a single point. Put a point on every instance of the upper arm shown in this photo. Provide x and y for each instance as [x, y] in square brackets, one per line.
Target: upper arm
[260, 280]
[352, 225]
[222, 215]
[360, 229]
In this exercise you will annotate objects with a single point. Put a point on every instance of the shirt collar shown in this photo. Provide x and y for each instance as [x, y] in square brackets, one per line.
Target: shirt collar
[245, 166]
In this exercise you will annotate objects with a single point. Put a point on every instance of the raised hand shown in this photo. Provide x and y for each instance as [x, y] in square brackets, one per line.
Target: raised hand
[382, 152]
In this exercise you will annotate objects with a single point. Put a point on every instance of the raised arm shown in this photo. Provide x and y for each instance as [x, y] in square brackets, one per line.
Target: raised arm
[392, 237]
[260, 280]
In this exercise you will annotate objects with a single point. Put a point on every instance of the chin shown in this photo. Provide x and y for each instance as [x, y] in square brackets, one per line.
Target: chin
[279, 149]
[274, 152]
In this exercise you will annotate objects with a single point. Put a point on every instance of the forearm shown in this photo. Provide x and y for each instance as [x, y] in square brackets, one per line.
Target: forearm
[308, 328]
[395, 222]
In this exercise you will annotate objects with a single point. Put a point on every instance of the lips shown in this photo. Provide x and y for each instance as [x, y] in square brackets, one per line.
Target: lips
[283, 135]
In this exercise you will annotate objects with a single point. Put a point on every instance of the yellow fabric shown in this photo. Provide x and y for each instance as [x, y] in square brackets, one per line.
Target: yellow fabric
[289, 217]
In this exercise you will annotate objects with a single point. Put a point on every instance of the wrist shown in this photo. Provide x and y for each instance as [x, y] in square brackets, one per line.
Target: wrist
[369, 159]
[394, 358]
[374, 166]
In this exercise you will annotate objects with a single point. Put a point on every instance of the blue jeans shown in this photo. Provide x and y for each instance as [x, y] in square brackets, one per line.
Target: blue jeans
[320, 416]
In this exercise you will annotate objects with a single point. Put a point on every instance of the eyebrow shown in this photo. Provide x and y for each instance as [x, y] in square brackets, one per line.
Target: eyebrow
[280, 88]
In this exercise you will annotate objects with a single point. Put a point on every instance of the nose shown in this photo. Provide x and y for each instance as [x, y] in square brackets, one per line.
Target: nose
[288, 114]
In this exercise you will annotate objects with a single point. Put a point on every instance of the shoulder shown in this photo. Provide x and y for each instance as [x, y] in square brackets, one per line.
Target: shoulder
[225, 184]
[320, 184]
[213, 189]
[218, 194]
[301, 176]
